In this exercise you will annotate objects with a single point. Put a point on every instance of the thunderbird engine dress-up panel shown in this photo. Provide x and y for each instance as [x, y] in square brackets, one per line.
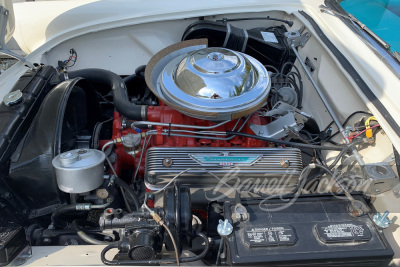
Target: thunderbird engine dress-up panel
[283, 166]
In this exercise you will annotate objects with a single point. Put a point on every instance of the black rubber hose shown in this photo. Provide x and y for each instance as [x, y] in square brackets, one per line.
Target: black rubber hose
[158, 261]
[59, 212]
[277, 141]
[85, 237]
[30, 229]
[272, 67]
[356, 142]
[130, 191]
[119, 91]
[139, 73]
[129, 78]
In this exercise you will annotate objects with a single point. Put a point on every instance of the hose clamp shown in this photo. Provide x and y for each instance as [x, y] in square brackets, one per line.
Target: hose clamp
[143, 112]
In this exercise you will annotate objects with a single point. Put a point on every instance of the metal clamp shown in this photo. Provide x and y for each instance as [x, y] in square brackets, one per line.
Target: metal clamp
[276, 129]
[382, 177]
[240, 213]
[296, 39]
[292, 119]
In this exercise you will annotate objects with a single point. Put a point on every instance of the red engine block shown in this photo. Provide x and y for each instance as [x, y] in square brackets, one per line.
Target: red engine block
[166, 114]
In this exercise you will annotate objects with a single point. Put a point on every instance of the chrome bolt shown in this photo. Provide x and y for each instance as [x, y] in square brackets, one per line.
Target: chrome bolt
[285, 163]
[167, 162]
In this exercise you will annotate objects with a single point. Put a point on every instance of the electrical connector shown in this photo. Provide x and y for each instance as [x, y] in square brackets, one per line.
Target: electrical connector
[368, 133]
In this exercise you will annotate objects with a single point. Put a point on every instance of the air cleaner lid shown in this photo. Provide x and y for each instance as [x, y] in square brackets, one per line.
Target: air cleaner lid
[213, 83]
[214, 73]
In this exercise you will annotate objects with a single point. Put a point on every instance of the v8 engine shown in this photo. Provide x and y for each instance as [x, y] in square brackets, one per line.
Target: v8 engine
[196, 157]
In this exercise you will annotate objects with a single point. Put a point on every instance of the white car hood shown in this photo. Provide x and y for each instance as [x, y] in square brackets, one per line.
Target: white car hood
[58, 21]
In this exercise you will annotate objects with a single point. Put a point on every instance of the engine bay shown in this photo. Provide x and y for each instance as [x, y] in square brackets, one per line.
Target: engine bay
[208, 154]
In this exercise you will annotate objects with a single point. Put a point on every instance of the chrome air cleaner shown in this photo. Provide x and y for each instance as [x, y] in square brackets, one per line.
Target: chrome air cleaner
[211, 83]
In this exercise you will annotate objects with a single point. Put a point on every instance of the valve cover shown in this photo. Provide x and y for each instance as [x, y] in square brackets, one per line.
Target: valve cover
[280, 166]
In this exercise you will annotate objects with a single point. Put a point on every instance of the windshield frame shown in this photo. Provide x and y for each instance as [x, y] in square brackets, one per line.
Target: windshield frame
[391, 59]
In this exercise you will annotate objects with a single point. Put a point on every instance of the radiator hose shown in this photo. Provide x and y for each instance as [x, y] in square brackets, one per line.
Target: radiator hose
[119, 91]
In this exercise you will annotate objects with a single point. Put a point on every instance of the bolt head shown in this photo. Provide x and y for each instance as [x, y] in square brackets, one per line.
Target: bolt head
[167, 162]
[285, 163]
